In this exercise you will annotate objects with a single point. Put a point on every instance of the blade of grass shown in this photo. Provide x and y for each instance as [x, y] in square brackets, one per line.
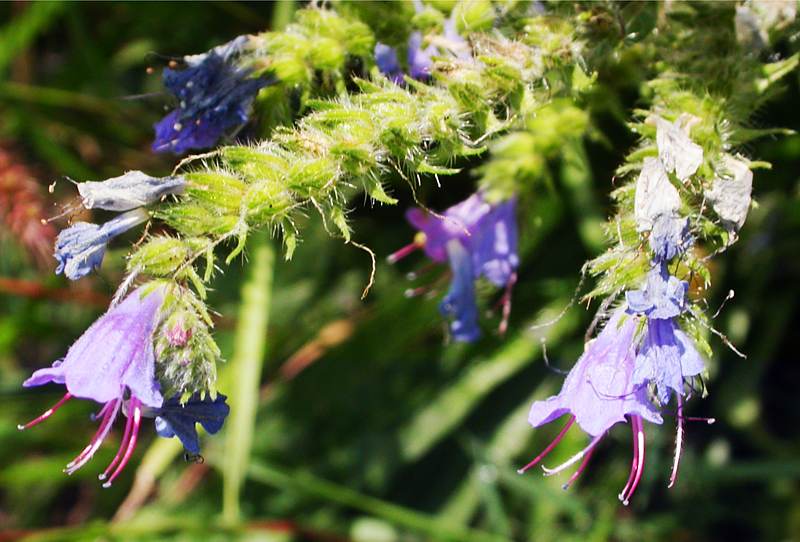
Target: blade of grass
[245, 373]
[307, 483]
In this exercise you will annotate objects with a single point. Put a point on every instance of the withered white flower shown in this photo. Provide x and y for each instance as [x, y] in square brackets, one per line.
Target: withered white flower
[676, 150]
[129, 191]
[654, 195]
[730, 194]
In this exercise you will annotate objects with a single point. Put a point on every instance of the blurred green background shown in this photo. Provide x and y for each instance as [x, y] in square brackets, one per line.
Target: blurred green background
[369, 427]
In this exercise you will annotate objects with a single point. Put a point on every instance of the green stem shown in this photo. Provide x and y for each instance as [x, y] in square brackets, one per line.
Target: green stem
[245, 373]
[307, 483]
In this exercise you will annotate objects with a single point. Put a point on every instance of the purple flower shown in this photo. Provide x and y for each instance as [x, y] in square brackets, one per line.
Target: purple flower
[600, 390]
[214, 96]
[176, 419]
[386, 59]
[112, 363]
[477, 239]
[80, 248]
[419, 59]
[598, 393]
[667, 356]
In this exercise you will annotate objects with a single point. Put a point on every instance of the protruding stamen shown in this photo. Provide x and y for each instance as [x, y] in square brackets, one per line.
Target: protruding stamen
[550, 446]
[136, 414]
[122, 444]
[506, 302]
[97, 440]
[102, 412]
[580, 470]
[637, 420]
[424, 270]
[574, 459]
[398, 255]
[46, 414]
[678, 444]
[634, 462]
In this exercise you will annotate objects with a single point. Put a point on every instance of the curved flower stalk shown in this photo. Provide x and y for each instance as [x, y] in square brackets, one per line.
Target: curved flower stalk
[689, 188]
[215, 91]
[477, 239]
[113, 363]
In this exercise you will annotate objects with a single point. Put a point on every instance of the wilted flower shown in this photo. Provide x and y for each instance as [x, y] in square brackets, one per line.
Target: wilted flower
[112, 363]
[129, 191]
[174, 418]
[214, 95]
[669, 237]
[81, 247]
[477, 239]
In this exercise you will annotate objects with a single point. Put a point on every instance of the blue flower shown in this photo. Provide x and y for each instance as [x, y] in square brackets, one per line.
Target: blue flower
[663, 296]
[459, 304]
[176, 419]
[214, 96]
[80, 248]
[386, 59]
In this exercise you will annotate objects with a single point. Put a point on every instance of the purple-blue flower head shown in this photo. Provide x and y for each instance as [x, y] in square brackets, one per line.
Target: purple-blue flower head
[214, 95]
[477, 239]
[112, 363]
[663, 295]
[598, 393]
[600, 389]
[80, 248]
[174, 418]
[386, 60]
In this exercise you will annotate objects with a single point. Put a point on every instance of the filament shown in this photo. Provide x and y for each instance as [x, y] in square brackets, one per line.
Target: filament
[574, 459]
[135, 405]
[550, 446]
[46, 414]
[97, 440]
[678, 444]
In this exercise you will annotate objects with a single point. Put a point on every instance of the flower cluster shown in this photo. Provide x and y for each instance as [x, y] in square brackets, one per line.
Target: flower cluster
[122, 379]
[477, 239]
[642, 358]
[215, 96]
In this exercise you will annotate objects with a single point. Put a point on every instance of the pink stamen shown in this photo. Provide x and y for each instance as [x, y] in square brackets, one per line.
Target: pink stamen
[122, 443]
[135, 405]
[101, 412]
[506, 302]
[637, 420]
[398, 255]
[97, 440]
[46, 414]
[574, 459]
[678, 444]
[580, 470]
[550, 446]
[634, 462]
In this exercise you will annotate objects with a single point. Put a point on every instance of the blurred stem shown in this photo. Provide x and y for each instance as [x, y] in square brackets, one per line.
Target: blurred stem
[307, 483]
[245, 373]
[282, 14]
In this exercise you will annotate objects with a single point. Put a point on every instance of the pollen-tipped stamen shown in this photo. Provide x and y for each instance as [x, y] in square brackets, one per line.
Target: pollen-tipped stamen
[401, 253]
[46, 414]
[574, 459]
[122, 444]
[580, 470]
[136, 414]
[97, 440]
[640, 440]
[550, 446]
